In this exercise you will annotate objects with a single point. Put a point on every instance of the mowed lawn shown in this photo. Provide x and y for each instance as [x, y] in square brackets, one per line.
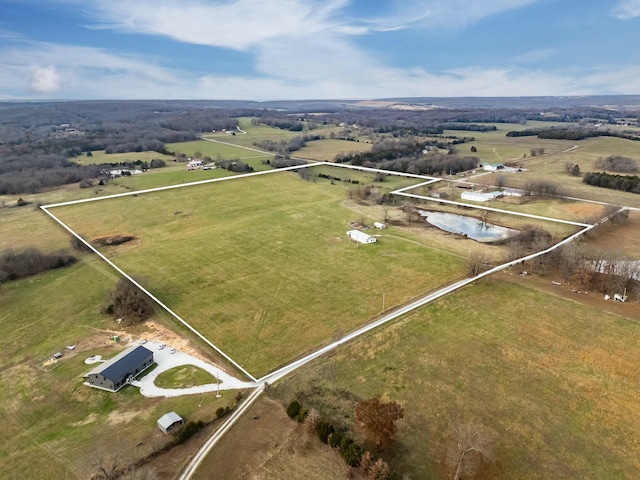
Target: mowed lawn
[553, 380]
[262, 265]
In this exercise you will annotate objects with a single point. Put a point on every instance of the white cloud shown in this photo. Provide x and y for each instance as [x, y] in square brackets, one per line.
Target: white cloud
[82, 72]
[238, 24]
[299, 50]
[44, 80]
[627, 9]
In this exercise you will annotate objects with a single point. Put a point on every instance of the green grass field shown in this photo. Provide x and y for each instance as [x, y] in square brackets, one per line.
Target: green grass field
[554, 381]
[326, 150]
[252, 263]
[54, 425]
[186, 376]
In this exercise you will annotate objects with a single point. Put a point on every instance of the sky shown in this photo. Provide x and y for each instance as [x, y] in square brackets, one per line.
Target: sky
[317, 49]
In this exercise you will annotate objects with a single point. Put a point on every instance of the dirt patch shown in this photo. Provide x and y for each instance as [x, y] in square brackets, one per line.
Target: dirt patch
[111, 240]
[235, 456]
[117, 418]
[92, 417]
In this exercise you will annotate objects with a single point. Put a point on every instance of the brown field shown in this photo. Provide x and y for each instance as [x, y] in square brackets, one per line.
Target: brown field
[266, 447]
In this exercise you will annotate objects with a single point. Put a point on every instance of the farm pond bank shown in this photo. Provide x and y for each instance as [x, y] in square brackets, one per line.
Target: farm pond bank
[468, 226]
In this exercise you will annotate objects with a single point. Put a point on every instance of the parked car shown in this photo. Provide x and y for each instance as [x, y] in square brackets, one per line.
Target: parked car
[143, 341]
[161, 346]
[173, 350]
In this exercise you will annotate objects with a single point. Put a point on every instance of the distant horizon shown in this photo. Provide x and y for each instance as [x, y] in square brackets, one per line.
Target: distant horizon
[631, 101]
[265, 50]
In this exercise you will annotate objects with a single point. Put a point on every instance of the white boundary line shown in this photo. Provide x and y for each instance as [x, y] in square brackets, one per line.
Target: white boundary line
[275, 375]
[278, 374]
[149, 294]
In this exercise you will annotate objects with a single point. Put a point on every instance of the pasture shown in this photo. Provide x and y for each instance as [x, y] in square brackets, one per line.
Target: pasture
[55, 427]
[553, 376]
[262, 265]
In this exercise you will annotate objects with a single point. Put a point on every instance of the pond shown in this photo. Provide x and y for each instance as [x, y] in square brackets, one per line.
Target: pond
[470, 227]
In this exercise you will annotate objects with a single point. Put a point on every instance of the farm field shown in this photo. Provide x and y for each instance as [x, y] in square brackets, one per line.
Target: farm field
[326, 150]
[216, 150]
[552, 377]
[253, 262]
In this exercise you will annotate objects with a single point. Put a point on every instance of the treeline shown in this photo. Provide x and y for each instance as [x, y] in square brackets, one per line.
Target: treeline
[386, 150]
[30, 261]
[470, 127]
[32, 173]
[235, 165]
[285, 123]
[570, 133]
[38, 139]
[617, 163]
[625, 183]
[407, 157]
[283, 147]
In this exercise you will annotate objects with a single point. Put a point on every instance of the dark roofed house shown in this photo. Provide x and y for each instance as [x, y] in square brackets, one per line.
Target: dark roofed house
[114, 374]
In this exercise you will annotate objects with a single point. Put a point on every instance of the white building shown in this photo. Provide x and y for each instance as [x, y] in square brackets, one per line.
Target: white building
[360, 237]
[513, 192]
[492, 167]
[193, 164]
[379, 225]
[480, 196]
[169, 421]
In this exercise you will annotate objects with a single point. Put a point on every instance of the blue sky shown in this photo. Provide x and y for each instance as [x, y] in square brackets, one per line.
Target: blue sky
[313, 49]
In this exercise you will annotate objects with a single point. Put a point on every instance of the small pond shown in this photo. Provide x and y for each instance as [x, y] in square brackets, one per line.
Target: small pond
[471, 227]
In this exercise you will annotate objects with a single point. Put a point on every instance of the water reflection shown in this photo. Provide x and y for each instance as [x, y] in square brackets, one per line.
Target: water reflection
[468, 226]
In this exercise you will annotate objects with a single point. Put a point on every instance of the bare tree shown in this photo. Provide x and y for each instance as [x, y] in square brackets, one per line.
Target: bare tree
[471, 446]
[108, 462]
[130, 303]
[475, 263]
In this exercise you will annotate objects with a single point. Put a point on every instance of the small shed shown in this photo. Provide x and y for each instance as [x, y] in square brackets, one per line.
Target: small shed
[379, 225]
[170, 421]
[360, 237]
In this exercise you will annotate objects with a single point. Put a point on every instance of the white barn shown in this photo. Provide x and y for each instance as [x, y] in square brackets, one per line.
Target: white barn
[480, 196]
[360, 237]
[492, 167]
[513, 192]
[169, 421]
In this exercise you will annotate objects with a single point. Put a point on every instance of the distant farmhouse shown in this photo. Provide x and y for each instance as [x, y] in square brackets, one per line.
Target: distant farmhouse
[491, 167]
[194, 164]
[360, 237]
[114, 374]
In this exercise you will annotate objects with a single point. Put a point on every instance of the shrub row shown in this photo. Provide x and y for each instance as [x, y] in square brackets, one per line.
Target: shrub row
[350, 451]
[30, 261]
